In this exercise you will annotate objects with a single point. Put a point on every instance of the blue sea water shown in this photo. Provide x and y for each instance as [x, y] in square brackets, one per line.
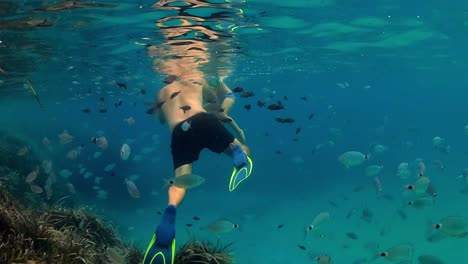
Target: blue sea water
[371, 72]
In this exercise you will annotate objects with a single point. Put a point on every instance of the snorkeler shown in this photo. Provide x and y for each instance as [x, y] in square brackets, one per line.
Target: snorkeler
[193, 129]
[180, 104]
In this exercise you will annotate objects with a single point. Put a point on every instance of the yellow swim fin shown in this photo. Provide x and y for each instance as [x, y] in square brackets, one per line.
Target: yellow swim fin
[157, 254]
[238, 175]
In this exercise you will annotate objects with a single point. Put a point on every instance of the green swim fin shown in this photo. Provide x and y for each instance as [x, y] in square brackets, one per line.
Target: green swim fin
[158, 254]
[240, 174]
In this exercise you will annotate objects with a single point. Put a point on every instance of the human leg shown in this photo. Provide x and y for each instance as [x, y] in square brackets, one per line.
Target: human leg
[162, 247]
[239, 132]
[176, 194]
[227, 104]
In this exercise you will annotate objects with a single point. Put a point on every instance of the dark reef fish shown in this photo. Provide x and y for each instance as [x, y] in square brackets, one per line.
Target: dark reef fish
[121, 85]
[287, 120]
[275, 107]
[154, 107]
[174, 94]
[238, 89]
[170, 79]
[247, 94]
[185, 108]
[352, 235]
[367, 215]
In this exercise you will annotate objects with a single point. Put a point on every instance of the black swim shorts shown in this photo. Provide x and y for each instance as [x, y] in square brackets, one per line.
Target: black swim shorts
[204, 131]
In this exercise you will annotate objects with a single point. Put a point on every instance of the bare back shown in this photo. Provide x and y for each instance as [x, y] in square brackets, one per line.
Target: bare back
[181, 101]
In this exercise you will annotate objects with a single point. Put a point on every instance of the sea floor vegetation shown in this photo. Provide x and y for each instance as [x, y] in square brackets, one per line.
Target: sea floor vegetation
[204, 252]
[35, 229]
[58, 235]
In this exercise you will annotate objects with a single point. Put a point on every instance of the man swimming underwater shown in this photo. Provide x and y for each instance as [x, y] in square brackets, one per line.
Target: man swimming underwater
[186, 57]
[180, 104]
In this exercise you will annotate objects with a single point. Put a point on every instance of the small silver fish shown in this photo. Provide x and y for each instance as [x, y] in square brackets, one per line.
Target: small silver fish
[378, 186]
[453, 226]
[464, 175]
[187, 181]
[23, 151]
[71, 188]
[132, 189]
[400, 252]
[130, 121]
[36, 189]
[49, 191]
[51, 179]
[31, 176]
[73, 154]
[65, 137]
[101, 142]
[222, 227]
[46, 142]
[373, 170]
[47, 166]
[352, 158]
[324, 260]
[318, 221]
[125, 152]
[109, 167]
